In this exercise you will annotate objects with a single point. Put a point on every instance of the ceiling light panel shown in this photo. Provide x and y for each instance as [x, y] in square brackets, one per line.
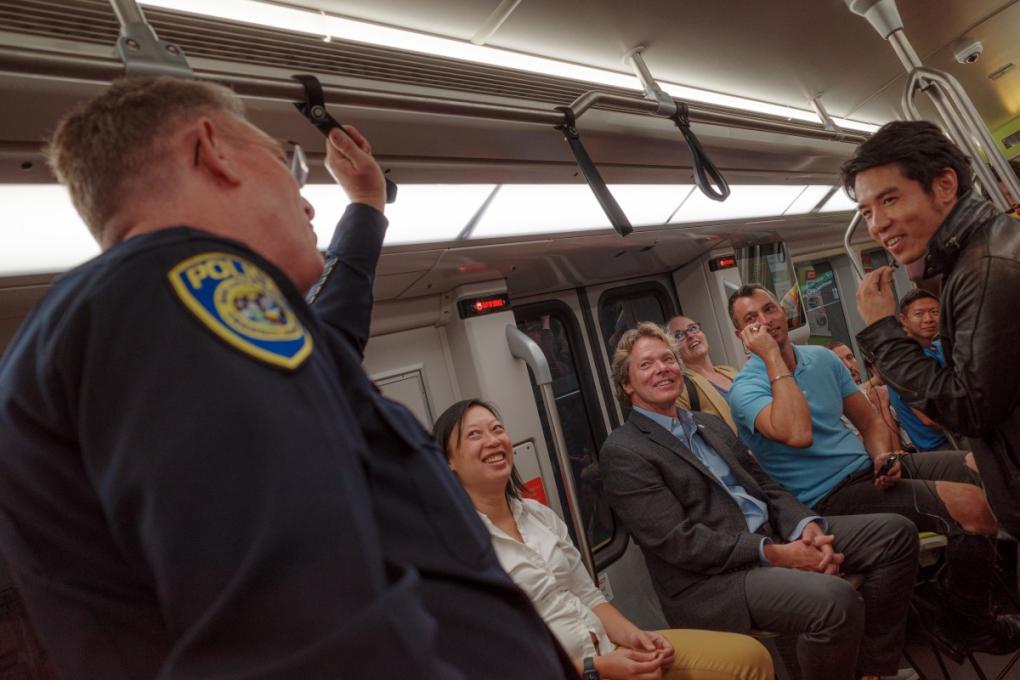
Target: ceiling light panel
[539, 209]
[839, 201]
[423, 213]
[747, 200]
[808, 199]
[49, 236]
[649, 204]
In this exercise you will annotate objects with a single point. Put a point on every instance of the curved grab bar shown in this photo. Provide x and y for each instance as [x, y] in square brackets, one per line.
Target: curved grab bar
[854, 260]
[966, 123]
[524, 348]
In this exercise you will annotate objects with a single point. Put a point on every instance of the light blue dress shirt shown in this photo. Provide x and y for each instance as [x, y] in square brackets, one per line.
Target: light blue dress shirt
[756, 512]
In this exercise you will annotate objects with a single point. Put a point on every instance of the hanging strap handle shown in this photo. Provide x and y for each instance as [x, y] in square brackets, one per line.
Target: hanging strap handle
[314, 109]
[705, 172]
[591, 174]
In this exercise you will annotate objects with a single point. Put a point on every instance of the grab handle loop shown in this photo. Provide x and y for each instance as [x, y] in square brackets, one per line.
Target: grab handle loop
[591, 174]
[314, 109]
[705, 172]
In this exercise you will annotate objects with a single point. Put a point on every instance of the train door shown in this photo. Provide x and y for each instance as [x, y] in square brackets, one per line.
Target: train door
[826, 314]
[554, 326]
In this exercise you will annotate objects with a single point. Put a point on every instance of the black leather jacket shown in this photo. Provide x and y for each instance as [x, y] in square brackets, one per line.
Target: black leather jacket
[977, 251]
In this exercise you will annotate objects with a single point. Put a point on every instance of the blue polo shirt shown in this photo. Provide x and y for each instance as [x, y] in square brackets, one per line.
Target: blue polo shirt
[810, 473]
[925, 438]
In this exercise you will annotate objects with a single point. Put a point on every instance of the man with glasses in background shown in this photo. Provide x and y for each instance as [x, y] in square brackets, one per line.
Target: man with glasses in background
[708, 385]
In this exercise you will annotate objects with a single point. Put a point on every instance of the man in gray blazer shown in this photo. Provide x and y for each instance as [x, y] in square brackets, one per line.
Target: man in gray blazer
[729, 549]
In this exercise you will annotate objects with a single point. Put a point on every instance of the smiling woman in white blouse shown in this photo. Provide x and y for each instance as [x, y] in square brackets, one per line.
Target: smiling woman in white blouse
[533, 545]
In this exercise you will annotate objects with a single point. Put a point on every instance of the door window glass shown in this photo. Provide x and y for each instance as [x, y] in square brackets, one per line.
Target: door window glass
[822, 299]
[553, 328]
[769, 265]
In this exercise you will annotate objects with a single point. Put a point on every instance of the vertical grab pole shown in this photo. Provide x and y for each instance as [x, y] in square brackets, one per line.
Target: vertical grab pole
[524, 348]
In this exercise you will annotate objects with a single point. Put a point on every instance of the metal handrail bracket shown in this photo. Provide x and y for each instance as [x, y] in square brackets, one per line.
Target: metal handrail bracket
[141, 50]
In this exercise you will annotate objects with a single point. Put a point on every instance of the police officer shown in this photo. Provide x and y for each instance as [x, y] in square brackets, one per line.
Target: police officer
[182, 468]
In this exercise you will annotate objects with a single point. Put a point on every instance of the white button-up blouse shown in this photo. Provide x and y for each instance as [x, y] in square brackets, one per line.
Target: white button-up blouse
[548, 568]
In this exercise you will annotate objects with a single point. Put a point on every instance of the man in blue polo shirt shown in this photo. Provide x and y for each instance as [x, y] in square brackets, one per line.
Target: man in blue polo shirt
[919, 316]
[799, 438]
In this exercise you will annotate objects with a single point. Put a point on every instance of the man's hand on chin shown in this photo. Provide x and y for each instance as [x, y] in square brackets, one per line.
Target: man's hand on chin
[876, 298]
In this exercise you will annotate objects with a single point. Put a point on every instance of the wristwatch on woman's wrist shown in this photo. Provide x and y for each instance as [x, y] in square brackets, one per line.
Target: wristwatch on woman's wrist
[589, 669]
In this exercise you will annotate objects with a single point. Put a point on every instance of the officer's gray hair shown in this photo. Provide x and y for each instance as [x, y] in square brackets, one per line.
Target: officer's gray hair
[108, 147]
[621, 356]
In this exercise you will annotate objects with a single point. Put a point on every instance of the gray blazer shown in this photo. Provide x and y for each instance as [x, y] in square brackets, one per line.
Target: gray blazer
[691, 531]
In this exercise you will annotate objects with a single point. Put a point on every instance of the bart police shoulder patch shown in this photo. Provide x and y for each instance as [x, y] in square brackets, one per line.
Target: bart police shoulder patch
[243, 306]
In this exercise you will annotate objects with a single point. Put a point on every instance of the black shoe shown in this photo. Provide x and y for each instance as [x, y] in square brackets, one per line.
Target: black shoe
[1000, 635]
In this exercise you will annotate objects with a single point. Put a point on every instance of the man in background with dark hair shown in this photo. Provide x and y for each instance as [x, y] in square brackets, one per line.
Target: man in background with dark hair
[913, 186]
[919, 316]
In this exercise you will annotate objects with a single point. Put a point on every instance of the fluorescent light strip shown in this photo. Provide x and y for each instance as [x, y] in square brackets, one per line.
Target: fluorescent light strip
[325, 25]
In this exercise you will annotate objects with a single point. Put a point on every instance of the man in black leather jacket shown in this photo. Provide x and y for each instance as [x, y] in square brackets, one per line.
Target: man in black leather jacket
[913, 187]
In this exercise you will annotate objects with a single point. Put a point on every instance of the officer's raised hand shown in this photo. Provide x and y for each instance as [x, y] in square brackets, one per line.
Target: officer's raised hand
[350, 162]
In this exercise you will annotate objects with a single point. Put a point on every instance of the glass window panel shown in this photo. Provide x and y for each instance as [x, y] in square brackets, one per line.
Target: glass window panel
[769, 265]
[822, 301]
[808, 200]
[746, 200]
[621, 309]
[549, 331]
[534, 209]
[42, 232]
[422, 212]
[839, 201]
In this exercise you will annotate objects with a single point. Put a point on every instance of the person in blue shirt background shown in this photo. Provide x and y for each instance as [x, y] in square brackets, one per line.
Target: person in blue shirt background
[919, 316]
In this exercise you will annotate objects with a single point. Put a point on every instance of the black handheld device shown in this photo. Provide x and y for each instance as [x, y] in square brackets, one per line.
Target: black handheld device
[887, 465]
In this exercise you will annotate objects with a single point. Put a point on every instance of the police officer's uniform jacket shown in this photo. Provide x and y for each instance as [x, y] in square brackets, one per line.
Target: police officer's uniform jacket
[192, 482]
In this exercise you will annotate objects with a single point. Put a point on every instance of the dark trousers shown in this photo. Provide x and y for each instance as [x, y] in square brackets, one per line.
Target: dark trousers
[970, 558]
[843, 632]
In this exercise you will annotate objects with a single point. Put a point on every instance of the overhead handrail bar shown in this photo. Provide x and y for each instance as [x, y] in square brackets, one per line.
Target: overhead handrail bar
[141, 50]
[101, 70]
[524, 348]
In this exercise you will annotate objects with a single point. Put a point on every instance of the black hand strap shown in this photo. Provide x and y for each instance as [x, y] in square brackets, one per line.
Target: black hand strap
[591, 174]
[314, 109]
[705, 172]
[692, 393]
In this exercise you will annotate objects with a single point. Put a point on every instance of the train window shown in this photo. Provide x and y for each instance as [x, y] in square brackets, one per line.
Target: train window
[769, 265]
[620, 309]
[553, 327]
[822, 299]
